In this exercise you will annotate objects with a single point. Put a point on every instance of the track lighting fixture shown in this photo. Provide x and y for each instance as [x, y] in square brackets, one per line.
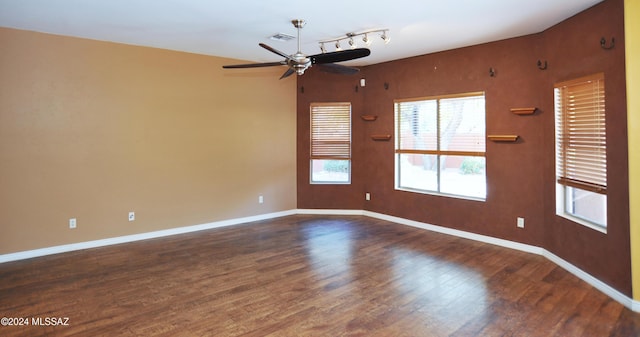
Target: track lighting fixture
[352, 42]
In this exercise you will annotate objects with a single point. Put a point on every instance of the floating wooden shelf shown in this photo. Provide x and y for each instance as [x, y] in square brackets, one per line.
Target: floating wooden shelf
[381, 137]
[369, 118]
[503, 138]
[523, 111]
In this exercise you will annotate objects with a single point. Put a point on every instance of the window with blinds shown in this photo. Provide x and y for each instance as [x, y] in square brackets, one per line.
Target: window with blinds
[330, 142]
[581, 146]
[440, 145]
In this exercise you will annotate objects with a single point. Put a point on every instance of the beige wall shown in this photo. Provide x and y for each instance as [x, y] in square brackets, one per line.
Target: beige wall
[93, 130]
[632, 48]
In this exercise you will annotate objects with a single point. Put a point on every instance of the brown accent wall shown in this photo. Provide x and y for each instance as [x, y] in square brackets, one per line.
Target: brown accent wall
[520, 176]
[93, 130]
[317, 86]
[606, 256]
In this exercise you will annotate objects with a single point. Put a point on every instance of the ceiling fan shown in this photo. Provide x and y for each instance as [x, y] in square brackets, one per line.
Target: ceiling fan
[300, 62]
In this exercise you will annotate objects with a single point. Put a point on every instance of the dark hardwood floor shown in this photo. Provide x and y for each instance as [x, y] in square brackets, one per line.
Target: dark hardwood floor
[306, 276]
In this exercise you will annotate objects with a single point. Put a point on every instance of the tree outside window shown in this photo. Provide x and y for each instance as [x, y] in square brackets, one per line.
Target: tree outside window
[440, 145]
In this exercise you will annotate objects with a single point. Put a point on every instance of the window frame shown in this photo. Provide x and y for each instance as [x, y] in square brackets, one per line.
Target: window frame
[591, 173]
[328, 149]
[438, 152]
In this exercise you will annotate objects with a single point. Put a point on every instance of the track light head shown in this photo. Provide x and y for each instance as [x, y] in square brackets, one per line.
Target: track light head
[385, 38]
[366, 40]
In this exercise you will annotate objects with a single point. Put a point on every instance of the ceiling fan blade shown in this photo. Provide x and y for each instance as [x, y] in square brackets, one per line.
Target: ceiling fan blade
[287, 73]
[273, 50]
[337, 69]
[339, 56]
[255, 65]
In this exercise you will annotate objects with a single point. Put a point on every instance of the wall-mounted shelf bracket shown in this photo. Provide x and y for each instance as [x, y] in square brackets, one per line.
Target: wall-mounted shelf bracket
[524, 111]
[542, 66]
[503, 138]
[381, 137]
[603, 43]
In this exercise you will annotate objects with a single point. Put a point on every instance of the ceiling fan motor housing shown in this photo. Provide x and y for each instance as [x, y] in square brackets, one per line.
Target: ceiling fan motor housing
[299, 62]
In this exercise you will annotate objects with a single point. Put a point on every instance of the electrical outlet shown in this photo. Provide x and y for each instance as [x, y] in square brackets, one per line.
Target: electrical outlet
[367, 196]
[132, 216]
[72, 223]
[260, 199]
[520, 222]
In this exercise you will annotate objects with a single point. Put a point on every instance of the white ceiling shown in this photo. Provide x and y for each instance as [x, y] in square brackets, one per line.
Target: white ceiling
[234, 28]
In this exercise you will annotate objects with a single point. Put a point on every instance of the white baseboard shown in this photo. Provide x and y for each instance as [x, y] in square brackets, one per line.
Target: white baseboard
[330, 211]
[137, 237]
[594, 282]
[455, 232]
[635, 306]
[603, 287]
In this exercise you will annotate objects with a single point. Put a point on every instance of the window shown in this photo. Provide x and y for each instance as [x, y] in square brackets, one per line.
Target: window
[581, 146]
[440, 145]
[331, 143]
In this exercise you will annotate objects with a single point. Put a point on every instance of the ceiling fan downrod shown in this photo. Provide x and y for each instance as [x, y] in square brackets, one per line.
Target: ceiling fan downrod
[299, 62]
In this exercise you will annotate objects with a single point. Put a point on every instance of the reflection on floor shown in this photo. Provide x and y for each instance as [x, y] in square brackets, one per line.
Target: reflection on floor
[307, 275]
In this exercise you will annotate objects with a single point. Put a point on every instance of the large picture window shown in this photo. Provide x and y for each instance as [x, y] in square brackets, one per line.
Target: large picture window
[440, 145]
[330, 143]
[581, 146]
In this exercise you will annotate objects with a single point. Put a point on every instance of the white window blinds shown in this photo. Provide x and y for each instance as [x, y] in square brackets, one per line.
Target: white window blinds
[331, 131]
[581, 134]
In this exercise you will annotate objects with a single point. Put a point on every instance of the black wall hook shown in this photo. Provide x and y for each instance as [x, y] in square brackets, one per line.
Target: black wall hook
[603, 43]
[386, 86]
[492, 72]
[542, 66]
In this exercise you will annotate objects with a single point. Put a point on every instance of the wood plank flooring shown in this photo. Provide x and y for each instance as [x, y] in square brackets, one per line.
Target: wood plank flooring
[306, 276]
